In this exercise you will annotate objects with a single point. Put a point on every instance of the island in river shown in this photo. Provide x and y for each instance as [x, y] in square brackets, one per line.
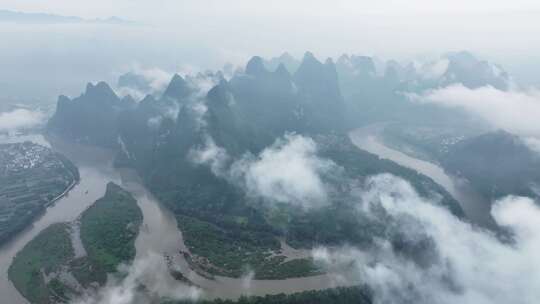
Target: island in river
[66, 260]
[159, 235]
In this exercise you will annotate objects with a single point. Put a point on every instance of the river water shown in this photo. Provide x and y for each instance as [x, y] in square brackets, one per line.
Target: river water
[95, 167]
[159, 234]
[476, 208]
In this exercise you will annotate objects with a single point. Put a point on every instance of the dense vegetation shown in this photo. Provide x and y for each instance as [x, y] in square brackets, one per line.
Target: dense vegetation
[496, 164]
[225, 230]
[108, 232]
[43, 256]
[343, 295]
[41, 271]
[219, 251]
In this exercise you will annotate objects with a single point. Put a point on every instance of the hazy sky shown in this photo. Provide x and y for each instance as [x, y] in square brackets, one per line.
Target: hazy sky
[326, 27]
[145, 9]
[207, 33]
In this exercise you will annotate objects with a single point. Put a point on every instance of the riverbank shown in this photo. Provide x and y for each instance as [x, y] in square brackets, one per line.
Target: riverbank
[476, 208]
[33, 179]
[49, 270]
[71, 186]
[95, 170]
[159, 235]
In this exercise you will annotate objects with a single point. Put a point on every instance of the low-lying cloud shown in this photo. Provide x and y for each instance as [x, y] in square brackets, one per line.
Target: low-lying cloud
[150, 272]
[148, 81]
[513, 110]
[288, 171]
[153, 80]
[533, 143]
[433, 70]
[195, 102]
[212, 155]
[465, 264]
[20, 119]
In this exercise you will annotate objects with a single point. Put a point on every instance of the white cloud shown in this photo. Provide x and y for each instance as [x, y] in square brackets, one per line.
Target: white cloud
[532, 143]
[125, 91]
[247, 280]
[288, 171]
[434, 70]
[466, 265]
[515, 111]
[19, 119]
[201, 84]
[155, 78]
[211, 155]
[151, 272]
[199, 110]
[171, 110]
[158, 79]
[154, 122]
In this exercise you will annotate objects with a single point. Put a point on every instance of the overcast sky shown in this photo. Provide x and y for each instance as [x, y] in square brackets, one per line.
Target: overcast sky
[326, 27]
[207, 33]
[145, 9]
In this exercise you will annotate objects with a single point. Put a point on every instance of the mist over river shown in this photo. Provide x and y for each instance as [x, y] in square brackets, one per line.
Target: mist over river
[159, 234]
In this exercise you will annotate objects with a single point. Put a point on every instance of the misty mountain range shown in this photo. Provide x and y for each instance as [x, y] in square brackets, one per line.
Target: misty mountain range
[199, 151]
[264, 152]
[452, 68]
[252, 158]
[265, 100]
[43, 18]
[193, 136]
[371, 89]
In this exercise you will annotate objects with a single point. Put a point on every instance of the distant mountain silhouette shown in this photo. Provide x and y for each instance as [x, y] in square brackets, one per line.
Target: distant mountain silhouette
[242, 116]
[44, 18]
[464, 68]
[178, 89]
[134, 81]
[90, 118]
[288, 61]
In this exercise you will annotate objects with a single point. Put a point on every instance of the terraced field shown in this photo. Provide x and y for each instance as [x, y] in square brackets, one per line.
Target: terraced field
[31, 178]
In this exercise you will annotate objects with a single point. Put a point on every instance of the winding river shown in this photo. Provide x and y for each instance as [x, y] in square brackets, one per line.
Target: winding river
[95, 168]
[476, 208]
[160, 235]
